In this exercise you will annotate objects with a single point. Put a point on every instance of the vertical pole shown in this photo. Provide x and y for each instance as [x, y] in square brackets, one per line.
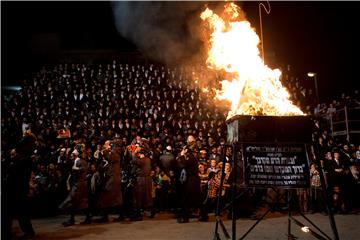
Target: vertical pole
[325, 194]
[267, 10]
[218, 205]
[347, 125]
[261, 36]
[332, 124]
[234, 169]
[316, 90]
[289, 214]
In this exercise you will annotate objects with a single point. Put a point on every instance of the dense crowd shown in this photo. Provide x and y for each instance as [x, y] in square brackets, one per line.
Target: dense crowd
[83, 116]
[305, 97]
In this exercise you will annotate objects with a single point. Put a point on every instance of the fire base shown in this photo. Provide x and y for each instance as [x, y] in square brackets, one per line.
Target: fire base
[269, 129]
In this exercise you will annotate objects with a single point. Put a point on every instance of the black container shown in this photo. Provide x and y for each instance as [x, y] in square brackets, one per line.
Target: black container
[269, 129]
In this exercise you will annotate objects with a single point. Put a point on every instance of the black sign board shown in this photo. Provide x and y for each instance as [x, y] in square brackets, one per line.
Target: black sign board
[269, 129]
[276, 165]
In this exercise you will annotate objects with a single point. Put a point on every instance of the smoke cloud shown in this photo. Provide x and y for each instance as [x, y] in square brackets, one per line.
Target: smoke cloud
[165, 31]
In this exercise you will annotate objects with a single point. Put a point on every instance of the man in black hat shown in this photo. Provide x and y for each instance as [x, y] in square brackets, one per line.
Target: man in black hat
[336, 171]
[189, 180]
[142, 197]
[16, 187]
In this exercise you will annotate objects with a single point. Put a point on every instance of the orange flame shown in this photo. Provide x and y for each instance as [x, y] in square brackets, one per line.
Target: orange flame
[255, 88]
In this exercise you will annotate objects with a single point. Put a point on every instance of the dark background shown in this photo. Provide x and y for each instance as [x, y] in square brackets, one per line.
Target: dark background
[311, 36]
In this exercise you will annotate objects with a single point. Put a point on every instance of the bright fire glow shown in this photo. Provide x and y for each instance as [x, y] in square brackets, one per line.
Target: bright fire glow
[255, 89]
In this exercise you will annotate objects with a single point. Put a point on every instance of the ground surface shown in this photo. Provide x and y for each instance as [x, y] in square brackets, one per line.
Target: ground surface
[164, 226]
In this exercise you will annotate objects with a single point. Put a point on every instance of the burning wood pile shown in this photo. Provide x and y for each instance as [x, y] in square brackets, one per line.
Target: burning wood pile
[252, 88]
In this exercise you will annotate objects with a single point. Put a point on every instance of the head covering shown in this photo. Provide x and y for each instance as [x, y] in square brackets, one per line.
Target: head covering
[336, 150]
[75, 152]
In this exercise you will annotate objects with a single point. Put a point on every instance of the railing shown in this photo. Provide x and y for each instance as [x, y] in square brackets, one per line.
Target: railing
[344, 122]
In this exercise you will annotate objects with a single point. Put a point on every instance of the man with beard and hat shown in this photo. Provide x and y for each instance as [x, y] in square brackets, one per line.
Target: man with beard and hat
[338, 172]
[110, 195]
[15, 182]
[77, 198]
[189, 185]
[142, 195]
[128, 177]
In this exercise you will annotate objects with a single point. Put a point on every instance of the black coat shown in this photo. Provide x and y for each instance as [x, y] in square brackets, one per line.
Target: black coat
[190, 189]
[19, 169]
[168, 162]
[143, 183]
[110, 195]
[15, 188]
[335, 178]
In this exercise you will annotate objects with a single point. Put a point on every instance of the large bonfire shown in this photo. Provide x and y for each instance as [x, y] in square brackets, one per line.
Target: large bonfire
[255, 89]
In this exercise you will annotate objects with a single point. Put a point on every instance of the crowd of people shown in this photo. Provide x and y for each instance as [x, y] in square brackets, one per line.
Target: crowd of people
[305, 97]
[132, 139]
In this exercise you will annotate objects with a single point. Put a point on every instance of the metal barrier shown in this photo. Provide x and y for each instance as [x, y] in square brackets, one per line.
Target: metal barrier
[344, 122]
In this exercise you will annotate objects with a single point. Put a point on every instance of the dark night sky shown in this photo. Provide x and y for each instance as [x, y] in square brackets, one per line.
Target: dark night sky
[319, 37]
[311, 36]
